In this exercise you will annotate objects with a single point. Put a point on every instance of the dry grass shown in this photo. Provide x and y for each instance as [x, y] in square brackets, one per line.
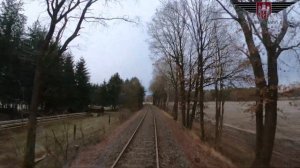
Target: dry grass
[199, 153]
[57, 140]
[238, 141]
[238, 115]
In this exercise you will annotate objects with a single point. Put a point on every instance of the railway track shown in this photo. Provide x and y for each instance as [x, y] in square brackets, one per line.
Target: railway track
[141, 150]
[22, 122]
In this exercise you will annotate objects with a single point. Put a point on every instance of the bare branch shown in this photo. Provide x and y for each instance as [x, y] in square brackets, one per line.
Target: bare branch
[284, 29]
[78, 27]
[61, 30]
[97, 19]
[48, 9]
[228, 12]
[70, 9]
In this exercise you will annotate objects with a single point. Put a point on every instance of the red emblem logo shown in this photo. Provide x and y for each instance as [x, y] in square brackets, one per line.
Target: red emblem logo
[263, 9]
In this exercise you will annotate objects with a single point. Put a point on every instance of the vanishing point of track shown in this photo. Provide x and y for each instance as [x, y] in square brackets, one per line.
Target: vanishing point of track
[141, 150]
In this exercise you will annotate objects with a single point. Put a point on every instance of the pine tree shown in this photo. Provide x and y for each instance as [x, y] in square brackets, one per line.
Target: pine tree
[69, 84]
[82, 86]
[114, 89]
[12, 23]
[53, 81]
[35, 36]
[132, 94]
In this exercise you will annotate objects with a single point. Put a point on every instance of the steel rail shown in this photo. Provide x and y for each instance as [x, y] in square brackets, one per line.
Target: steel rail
[128, 142]
[156, 142]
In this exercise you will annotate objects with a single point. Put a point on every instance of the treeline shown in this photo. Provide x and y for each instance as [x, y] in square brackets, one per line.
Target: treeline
[65, 83]
[193, 52]
[196, 46]
[232, 94]
[117, 92]
[65, 87]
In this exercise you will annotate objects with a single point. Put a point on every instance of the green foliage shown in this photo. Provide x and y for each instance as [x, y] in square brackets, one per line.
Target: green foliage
[62, 87]
[65, 84]
[114, 89]
[12, 23]
[69, 85]
[82, 85]
[132, 94]
[128, 94]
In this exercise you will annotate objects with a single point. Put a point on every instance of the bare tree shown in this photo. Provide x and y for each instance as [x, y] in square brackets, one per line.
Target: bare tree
[261, 38]
[228, 69]
[167, 32]
[159, 88]
[199, 25]
[60, 13]
[184, 37]
[166, 69]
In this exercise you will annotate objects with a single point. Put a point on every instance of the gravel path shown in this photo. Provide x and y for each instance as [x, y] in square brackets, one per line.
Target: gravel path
[115, 146]
[170, 154]
[104, 153]
[176, 148]
[141, 150]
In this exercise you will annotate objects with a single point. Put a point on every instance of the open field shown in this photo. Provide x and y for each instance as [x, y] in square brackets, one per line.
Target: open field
[237, 114]
[240, 116]
[238, 139]
[57, 141]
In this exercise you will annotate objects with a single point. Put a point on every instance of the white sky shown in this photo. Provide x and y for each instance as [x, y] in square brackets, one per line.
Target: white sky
[119, 47]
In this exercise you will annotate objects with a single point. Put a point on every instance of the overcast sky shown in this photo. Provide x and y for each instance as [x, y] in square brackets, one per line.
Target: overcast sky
[119, 47]
[122, 47]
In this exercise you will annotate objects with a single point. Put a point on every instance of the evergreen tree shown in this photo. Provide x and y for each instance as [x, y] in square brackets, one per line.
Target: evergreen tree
[82, 85]
[53, 81]
[132, 94]
[114, 89]
[35, 35]
[69, 84]
[12, 23]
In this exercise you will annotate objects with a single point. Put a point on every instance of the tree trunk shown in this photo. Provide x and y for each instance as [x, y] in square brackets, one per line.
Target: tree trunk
[265, 126]
[221, 119]
[259, 125]
[270, 110]
[188, 104]
[201, 103]
[201, 100]
[31, 132]
[217, 115]
[175, 106]
[29, 156]
[182, 96]
[194, 103]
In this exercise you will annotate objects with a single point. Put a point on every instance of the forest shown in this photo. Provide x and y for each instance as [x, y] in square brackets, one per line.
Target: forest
[66, 83]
